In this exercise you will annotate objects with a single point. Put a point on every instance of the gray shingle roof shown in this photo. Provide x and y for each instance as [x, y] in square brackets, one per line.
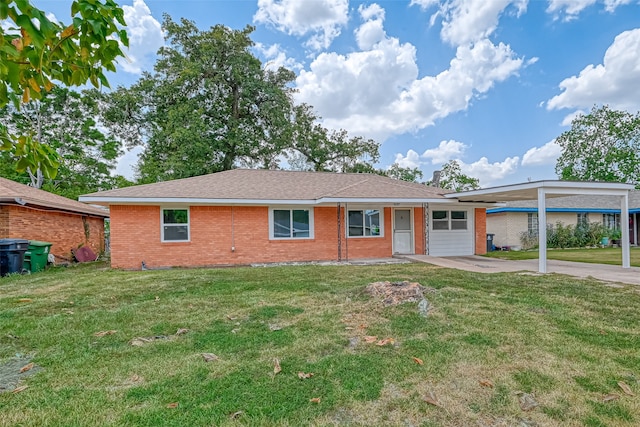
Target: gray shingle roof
[273, 185]
[14, 193]
[581, 202]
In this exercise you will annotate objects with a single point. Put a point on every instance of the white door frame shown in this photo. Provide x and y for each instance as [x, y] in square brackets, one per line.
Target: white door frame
[411, 231]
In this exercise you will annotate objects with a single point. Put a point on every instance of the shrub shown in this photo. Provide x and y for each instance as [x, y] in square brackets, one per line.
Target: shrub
[574, 236]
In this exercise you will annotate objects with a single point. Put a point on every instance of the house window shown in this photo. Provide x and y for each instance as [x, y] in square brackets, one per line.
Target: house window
[583, 219]
[175, 225]
[611, 221]
[458, 220]
[449, 220]
[364, 222]
[291, 223]
[440, 220]
[532, 223]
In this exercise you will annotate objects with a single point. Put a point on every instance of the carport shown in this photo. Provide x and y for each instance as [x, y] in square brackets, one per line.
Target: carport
[540, 190]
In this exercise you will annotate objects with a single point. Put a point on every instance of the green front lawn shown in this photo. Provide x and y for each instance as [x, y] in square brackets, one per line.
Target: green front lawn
[489, 338]
[591, 255]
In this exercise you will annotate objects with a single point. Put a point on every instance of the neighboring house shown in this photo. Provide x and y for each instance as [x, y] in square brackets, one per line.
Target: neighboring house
[511, 220]
[32, 214]
[263, 216]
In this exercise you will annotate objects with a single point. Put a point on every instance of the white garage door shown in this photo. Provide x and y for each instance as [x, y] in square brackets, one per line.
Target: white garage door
[451, 232]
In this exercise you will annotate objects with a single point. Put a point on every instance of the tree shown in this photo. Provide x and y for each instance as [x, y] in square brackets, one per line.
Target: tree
[452, 178]
[64, 121]
[36, 52]
[208, 106]
[320, 149]
[603, 145]
[396, 171]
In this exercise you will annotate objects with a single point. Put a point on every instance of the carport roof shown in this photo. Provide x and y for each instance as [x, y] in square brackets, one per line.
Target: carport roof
[529, 191]
[540, 190]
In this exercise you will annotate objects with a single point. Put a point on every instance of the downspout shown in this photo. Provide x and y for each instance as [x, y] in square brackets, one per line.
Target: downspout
[425, 218]
[339, 234]
[346, 232]
[233, 238]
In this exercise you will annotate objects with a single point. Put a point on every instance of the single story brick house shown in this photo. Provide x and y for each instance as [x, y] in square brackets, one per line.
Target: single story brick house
[509, 221]
[33, 214]
[263, 216]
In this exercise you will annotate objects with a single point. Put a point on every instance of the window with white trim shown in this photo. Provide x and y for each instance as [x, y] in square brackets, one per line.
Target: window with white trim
[449, 220]
[532, 223]
[364, 222]
[582, 219]
[291, 223]
[611, 220]
[175, 225]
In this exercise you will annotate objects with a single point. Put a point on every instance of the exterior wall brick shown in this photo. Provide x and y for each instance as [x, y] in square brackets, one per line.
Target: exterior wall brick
[65, 231]
[480, 216]
[225, 235]
[497, 225]
[419, 230]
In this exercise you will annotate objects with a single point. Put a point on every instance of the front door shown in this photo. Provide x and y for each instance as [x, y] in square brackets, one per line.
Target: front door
[402, 232]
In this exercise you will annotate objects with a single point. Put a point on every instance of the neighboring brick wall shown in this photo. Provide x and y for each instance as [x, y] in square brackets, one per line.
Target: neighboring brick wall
[65, 231]
[4, 221]
[480, 216]
[497, 225]
[136, 237]
[507, 226]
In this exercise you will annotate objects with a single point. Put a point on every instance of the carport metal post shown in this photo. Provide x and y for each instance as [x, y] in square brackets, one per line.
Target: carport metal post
[624, 225]
[542, 230]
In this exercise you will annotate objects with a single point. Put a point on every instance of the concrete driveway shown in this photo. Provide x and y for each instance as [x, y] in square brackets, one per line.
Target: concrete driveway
[479, 264]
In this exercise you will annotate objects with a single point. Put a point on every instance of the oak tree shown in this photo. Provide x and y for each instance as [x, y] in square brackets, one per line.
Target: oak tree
[603, 145]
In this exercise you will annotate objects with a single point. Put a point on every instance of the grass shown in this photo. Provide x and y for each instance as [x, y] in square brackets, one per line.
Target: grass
[590, 255]
[565, 341]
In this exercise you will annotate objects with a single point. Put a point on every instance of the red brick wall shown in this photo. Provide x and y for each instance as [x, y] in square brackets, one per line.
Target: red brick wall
[481, 230]
[65, 231]
[418, 227]
[136, 237]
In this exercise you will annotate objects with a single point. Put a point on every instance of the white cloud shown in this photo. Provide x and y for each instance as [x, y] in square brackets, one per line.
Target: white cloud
[445, 151]
[276, 57]
[145, 37]
[545, 155]
[611, 5]
[411, 160]
[488, 173]
[321, 18]
[570, 9]
[424, 4]
[466, 21]
[372, 31]
[376, 91]
[614, 82]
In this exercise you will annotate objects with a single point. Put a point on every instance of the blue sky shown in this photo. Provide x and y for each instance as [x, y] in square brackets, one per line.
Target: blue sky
[489, 83]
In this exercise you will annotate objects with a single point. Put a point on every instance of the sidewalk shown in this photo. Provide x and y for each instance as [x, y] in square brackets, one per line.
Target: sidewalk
[479, 264]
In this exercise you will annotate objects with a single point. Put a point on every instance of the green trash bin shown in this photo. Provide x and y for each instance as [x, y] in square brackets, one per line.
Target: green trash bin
[37, 255]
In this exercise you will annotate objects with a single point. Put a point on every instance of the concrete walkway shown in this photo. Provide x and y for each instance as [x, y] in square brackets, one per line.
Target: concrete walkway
[479, 264]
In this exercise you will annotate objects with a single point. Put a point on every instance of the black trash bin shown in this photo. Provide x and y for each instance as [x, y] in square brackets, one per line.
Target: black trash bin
[12, 255]
[490, 246]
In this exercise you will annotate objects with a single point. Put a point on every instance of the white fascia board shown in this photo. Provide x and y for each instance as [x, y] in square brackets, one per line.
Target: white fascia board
[552, 187]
